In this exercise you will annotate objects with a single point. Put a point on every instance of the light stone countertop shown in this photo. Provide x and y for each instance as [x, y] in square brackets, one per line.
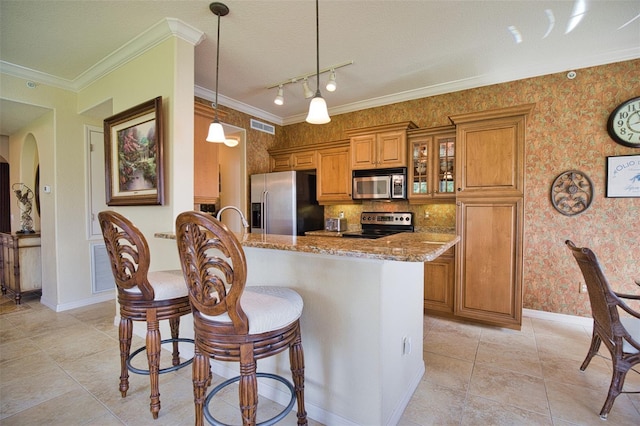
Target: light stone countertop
[403, 247]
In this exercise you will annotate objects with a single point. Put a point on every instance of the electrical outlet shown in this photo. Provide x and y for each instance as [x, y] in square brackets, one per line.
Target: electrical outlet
[583, 288]
[426, 214]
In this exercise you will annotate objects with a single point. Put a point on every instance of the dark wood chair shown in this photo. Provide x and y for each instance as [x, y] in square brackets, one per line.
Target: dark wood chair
[233, 322]
[619, 333]
[143, 296]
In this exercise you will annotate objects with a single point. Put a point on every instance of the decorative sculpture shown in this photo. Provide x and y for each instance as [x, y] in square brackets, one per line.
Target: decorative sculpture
[25, 198]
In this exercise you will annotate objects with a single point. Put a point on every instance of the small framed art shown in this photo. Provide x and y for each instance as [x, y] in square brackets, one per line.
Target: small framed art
[623, 176]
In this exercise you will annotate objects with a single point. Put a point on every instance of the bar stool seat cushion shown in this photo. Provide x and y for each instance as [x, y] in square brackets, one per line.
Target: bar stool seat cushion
[267, 308]
[166, 285]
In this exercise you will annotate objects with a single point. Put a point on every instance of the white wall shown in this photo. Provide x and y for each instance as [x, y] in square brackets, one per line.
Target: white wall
[166, 70]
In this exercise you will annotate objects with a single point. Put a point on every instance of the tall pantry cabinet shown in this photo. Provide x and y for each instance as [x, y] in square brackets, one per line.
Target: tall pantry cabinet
[489, 214]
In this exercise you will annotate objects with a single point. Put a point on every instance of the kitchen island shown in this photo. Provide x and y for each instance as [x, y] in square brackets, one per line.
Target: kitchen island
[362, 323]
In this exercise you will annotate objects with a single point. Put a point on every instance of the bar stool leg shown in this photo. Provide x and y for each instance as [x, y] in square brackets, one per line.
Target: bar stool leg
[125, 331]
[200, 371]
[153, 356]
[248, 385]
[296, 359]
[174, 323]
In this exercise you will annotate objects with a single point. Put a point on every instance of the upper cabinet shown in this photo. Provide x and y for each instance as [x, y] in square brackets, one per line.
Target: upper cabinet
[299, 160]
[331, 160]
[334, 175]
[431, 168]
[379, 146]
[206, 173]
[490, 157]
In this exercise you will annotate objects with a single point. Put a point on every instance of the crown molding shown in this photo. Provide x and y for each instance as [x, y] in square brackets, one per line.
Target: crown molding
[161, 31]
[210, 95]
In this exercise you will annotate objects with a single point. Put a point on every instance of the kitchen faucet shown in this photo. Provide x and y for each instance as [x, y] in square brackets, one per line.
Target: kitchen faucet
[242, 218]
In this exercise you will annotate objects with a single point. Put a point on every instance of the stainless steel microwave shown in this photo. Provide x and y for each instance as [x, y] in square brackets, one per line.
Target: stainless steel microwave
[380, 184]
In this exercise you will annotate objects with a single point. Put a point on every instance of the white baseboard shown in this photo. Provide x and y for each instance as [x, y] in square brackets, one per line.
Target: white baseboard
[552, 316]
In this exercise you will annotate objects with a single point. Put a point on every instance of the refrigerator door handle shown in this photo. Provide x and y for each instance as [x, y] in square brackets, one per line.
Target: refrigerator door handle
[265, 203]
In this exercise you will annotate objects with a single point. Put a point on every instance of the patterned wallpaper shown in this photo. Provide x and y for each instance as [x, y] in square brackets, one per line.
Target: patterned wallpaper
[566, 131]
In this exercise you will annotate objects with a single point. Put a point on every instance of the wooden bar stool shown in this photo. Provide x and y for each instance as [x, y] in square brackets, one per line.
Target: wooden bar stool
[143, 296]
[233, 322]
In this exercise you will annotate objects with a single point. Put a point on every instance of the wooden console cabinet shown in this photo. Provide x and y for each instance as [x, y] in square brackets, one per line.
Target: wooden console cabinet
[20, 264]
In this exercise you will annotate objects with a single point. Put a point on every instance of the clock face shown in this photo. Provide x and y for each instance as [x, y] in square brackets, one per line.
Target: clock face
[624, 123]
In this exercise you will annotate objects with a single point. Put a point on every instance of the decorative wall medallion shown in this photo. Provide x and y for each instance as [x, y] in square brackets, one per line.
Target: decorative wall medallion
[571, 192]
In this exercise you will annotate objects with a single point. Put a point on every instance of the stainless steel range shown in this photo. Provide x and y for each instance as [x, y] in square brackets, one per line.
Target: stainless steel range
[381, 224]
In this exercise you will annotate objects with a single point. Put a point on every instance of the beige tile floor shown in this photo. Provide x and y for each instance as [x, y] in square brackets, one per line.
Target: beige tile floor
[62, 369]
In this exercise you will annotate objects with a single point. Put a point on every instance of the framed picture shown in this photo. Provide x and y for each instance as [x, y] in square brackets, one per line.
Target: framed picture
[133, 156]
[623, 176]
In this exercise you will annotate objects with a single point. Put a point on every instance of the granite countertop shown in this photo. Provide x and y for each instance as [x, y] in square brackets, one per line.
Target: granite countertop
[403, 247]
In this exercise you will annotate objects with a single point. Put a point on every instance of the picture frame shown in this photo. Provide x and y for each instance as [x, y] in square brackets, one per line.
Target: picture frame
[623, 176]
[133, 148]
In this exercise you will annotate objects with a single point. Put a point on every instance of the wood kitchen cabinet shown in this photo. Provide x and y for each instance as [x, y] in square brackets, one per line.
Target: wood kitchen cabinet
[439, 281]
[303, 160]
[379, 146]
[334, 175]
[331, 160]
[431, 168]
[20, 264]
[489, 215]
[206, 170]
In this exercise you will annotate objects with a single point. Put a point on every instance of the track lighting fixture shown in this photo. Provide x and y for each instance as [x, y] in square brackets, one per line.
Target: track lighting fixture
[279, 100]
[331, 84]
[308, 93]
[216, 132]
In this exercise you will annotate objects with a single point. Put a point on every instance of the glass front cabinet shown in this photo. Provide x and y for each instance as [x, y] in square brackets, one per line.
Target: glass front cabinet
[431, 173]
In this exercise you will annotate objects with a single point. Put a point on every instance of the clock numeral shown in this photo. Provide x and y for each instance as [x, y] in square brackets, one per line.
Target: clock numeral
[623, 115]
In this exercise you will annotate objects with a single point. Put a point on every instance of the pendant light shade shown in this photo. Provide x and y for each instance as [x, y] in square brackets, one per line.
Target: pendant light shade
[216, 132]
[231, 142]
[318, 113]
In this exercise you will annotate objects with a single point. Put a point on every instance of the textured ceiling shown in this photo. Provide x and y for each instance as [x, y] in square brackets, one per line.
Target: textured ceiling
[400, 49]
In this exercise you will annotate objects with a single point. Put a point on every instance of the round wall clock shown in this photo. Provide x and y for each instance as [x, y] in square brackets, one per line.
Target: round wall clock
[624, 123]
[571, 192]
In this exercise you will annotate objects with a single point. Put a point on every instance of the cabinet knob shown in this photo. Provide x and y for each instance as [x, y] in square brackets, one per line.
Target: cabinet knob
[459, 189]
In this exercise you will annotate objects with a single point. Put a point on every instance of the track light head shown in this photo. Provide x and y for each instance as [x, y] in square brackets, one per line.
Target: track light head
[279, 100]
[331, 84]
[307, 91]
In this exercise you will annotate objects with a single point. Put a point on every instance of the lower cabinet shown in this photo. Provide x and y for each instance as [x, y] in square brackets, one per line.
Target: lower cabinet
[439, 281]
[20, 264]
[489, 261]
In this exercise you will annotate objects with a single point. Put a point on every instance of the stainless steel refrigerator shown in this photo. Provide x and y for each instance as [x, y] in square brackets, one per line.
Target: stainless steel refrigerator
[285, 203]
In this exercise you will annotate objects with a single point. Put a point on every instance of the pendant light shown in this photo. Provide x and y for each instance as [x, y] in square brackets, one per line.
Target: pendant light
[216, 132]
[318, 113]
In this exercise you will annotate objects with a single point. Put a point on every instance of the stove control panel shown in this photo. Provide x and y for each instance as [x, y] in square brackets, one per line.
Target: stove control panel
[386, 218]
